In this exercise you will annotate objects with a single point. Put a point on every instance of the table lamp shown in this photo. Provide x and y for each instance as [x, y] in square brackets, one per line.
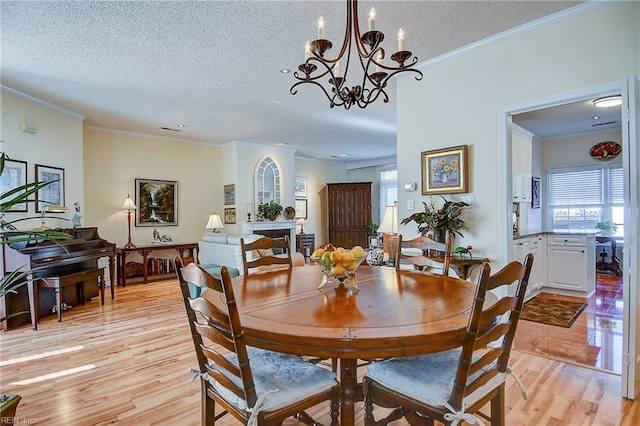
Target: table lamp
[389, 226]
[128, 207]
[249, 209]
[214, 223]
[301, 223]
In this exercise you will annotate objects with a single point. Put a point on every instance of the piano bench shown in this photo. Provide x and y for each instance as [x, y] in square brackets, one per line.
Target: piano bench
[77, 279]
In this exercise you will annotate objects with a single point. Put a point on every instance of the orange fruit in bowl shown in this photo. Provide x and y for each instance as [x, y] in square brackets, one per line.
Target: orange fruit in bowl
[358, 252]
[317, 253]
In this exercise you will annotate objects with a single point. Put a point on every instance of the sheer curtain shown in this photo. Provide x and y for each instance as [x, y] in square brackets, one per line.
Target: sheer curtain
[388, 190]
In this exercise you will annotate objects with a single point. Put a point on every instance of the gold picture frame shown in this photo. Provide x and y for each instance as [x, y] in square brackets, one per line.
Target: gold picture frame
[445, 171]
[230, 194]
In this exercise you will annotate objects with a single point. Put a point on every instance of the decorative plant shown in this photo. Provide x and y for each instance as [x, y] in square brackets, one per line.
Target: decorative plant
[373, 228]
[270, 210]
[607, 226]
[9, 234]
[439, 217]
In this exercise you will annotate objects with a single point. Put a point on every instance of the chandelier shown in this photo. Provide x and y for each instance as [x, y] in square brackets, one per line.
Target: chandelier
[316, 69]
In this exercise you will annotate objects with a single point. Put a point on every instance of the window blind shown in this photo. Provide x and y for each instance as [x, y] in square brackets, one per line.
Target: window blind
[388, 190]
[616, 185]
[576, 188]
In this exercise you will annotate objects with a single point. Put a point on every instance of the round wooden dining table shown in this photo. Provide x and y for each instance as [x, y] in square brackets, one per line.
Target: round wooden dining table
[395, 313]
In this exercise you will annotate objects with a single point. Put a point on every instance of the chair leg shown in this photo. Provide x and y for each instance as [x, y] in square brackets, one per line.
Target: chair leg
[208, 406]
[334, 412]
[497, 408]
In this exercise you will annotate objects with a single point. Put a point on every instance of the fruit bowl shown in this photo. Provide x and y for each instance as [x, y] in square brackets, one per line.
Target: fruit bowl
[340, 264]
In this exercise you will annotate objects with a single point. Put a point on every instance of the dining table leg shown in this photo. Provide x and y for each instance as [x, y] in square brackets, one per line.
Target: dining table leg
[348, 382]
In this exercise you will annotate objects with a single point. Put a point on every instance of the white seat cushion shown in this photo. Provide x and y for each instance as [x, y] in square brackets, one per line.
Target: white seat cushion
[426, 378]
[293, 378]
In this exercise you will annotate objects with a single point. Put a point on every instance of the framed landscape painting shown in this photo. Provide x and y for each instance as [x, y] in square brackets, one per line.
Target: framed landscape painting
[157, 202]
[52, 194]
[14, 176]
[445, 171]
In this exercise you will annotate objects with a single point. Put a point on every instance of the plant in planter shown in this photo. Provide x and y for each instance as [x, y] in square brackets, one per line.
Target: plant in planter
[607, 227]
[440, 216]
[270, 210]
[9, 234]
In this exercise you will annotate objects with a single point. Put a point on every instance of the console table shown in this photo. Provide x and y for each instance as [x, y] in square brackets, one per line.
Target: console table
[148, 269]
[305, 244]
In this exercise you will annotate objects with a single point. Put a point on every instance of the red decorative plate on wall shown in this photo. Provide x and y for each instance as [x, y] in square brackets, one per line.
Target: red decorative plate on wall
[605, 150]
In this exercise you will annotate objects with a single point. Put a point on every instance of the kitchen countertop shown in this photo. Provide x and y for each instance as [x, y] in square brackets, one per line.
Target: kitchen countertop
[525, 233]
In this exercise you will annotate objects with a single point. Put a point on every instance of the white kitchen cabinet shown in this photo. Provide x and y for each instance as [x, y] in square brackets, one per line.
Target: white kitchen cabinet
[538, 276]
[521, 166]
[571, 262]
[536, 245]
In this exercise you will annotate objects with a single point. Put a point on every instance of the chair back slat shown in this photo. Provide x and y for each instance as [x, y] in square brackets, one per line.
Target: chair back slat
[266, 243]
[495, 324]
[434, 253]
[217, 327]
[217, 336]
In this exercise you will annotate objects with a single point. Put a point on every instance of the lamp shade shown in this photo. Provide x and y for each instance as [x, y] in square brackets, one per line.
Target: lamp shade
[389, 223]
[214, 222]
[128, 204]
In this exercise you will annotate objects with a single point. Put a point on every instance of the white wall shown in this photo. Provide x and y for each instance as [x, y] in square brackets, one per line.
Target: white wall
[57, 143]
[458, 100]
[114, 160]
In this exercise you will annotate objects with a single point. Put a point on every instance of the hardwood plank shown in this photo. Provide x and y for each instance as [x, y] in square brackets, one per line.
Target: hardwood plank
[140, 349]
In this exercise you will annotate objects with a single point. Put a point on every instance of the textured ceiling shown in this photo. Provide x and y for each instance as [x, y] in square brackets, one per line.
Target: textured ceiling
[214, 66]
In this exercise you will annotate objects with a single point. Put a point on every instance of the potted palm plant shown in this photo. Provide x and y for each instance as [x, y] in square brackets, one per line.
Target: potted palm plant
[9, 234]
[439, 218]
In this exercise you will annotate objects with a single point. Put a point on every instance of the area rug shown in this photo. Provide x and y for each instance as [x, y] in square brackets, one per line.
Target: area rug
[562, 313]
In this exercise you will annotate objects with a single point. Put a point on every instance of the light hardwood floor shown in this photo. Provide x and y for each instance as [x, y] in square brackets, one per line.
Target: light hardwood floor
[127, 363]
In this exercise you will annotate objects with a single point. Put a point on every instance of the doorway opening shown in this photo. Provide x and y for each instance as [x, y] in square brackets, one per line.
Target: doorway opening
[562, 135]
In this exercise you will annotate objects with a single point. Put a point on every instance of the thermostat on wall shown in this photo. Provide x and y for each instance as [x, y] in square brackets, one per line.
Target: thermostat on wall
[410, 186]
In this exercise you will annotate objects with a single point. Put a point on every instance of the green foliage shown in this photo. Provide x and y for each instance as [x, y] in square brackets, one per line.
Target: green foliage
[440, 216]
[607, 226]
[9, 234]
[270, 210]
[373, 228]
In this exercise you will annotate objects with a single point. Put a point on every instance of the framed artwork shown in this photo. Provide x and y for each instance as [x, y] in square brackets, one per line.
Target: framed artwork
[13, 176]
[445, 171]
[230, 216]
[300, 206]
[300, 185]
[535, 192]
[230, 194]
[52, 194]
[157, 202]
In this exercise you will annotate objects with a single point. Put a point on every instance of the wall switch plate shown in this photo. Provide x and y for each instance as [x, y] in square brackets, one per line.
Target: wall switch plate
[411, 205]
[469, 199]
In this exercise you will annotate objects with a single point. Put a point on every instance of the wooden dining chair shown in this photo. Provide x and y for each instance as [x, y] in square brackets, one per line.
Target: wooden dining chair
[424, 254]
[453, 385]
[256, 386]
[261, 252]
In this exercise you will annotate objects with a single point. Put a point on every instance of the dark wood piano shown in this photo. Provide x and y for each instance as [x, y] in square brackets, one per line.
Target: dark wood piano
[49, 258]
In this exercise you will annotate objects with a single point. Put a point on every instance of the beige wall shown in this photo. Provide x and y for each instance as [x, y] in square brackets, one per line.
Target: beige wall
[458, 101]
[574, 150]
[114, 160]
[57, 143]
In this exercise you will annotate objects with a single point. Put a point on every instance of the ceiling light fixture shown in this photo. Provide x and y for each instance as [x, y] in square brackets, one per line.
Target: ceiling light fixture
[608, 101]
[370, 54]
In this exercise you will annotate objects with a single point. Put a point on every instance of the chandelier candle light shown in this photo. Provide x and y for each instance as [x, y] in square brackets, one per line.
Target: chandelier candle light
[369, 50]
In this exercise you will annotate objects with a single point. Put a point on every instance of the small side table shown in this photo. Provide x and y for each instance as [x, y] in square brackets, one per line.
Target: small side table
[305, 244]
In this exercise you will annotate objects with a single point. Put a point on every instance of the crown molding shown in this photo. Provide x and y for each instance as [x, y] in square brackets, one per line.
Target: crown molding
[513, 32]
[42, 102]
